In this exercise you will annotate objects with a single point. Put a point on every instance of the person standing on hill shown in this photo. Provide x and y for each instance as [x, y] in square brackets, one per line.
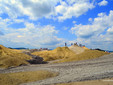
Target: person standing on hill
[65, 44]
[71, 44]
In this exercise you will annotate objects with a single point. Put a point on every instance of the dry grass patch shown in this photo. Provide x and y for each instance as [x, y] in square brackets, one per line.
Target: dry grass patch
[24, 77]
[87, 54]
[58, 53]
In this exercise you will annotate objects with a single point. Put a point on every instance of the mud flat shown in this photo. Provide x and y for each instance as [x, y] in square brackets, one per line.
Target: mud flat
[93, 69]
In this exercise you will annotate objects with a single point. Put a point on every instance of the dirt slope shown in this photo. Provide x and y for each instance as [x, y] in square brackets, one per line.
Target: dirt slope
[77, 49]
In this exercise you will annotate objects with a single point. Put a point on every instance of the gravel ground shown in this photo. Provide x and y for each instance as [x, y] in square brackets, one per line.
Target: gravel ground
[72, 71]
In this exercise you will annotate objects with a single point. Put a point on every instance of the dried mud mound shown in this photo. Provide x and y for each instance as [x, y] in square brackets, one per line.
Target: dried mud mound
[58, 53]
[10, 57]
[73, 53]
[87, 54]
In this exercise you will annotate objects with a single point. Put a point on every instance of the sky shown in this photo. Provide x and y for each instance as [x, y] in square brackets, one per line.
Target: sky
[51, 23]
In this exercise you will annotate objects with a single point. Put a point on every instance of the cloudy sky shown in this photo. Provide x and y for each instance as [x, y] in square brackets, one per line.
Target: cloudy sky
[51, 23]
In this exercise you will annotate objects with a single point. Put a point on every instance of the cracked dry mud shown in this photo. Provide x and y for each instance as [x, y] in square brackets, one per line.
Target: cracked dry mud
[71, 71]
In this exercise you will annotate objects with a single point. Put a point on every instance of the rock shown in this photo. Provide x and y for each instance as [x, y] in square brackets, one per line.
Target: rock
[36, 60]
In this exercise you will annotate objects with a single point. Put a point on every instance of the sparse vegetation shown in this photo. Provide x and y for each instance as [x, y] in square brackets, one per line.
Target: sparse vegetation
[24, 77]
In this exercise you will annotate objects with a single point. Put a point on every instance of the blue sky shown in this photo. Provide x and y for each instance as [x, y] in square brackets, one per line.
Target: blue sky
[51, 23]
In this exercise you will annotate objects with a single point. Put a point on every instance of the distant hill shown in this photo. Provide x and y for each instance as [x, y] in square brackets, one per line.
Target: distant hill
[108, 51]
[18, 48]
[103, 50]
[99, 49]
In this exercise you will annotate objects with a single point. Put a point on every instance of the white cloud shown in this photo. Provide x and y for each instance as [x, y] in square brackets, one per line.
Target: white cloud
[76, 9]
[98, 25]
[101, 14]
[30, 36]
[18, 20]
[95, 34]
[65, 28]
[110, 30]
[32, 8]
[35, 9]
[77, 1]
[90, 19]
[74, 22]
[103, 3]
[38, 8]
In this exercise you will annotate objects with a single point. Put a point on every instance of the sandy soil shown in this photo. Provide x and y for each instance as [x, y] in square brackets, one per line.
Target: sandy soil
[94, 69]
[77, 49]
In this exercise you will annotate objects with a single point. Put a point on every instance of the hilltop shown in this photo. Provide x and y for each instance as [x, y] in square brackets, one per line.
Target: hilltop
[77, 49]
[58, 53]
